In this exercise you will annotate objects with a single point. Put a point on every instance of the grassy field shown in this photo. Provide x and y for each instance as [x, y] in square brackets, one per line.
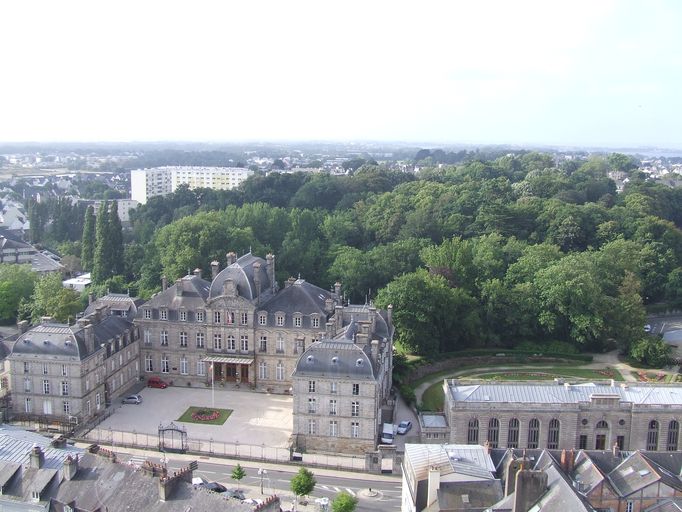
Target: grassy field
[432, 399]
[187, 416]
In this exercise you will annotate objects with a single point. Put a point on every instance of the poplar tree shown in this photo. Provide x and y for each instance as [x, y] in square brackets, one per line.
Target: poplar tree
[115, 240]
[101, 264]
[88, 240]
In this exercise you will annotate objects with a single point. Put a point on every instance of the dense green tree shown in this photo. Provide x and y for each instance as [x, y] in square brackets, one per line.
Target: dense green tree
[16, 283]
[101, 262]
[51, 299]
[238, 473]
[303, 483]
[344, 502]
[651, 351]
[115, 240]
[88, 239]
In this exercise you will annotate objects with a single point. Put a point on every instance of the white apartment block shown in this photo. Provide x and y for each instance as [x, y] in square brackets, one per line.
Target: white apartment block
[159, 181]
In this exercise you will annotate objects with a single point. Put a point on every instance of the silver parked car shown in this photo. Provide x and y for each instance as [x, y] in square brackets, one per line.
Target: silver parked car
[132, 399]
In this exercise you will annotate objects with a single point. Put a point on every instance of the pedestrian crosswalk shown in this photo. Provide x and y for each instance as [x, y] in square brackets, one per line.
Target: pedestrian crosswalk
[333, 488]
[136, 461]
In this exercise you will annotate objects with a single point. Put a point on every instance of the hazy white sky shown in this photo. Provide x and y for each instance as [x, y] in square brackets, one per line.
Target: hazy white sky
[550, 72]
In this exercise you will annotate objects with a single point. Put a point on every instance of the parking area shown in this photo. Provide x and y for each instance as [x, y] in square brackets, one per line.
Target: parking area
[256, 418]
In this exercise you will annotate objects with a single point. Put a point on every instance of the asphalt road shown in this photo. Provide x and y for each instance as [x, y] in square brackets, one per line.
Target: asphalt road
[388, 493]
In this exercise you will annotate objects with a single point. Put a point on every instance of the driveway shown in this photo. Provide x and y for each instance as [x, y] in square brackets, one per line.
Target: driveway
[256, 419]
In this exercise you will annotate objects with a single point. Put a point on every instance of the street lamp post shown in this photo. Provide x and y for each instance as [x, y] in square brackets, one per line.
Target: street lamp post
[212, 387]
[262, 472]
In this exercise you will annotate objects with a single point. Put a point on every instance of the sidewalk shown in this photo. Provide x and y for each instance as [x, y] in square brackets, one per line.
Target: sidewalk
[250, 485]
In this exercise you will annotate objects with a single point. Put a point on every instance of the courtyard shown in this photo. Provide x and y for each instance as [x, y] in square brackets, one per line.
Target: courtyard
[256, 418]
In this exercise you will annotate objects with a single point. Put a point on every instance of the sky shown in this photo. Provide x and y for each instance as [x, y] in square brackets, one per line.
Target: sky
[569, 73]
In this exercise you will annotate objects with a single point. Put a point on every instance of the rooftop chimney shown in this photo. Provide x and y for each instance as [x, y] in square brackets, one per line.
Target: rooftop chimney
[22, 326]
[231, 258]
[215, 268]
[289, 282]
[433, 486]
[257, 280]
[164, 283]
[70, 467]
[530, 486]
[197, 272]
[270, 269]
[337, 289]
[36, 457]
[389, 312]
[178, 287]
[616, 450]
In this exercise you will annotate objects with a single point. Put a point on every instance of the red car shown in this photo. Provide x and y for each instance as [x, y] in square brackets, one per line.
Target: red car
[155, 382]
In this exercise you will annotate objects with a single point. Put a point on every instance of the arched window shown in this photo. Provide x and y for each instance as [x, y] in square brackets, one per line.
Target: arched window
[553, 434]
[513, 433]
[600, 437]
[652, 436]
[533, 433]
[493, 432]
[673, 435]
[472, 434]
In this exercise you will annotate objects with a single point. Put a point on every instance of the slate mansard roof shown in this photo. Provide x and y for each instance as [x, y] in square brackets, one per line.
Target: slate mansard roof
[193, 295]
[243, 274]
[300, 297]
[539, 393]
[53, 339]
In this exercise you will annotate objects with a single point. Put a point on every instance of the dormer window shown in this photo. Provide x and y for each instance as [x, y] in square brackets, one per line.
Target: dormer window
[147, 314]
[280, 319]
[183, 315]
[316, 322]
[262, 319]
[200, 316]
[163, 313]
[297, 320]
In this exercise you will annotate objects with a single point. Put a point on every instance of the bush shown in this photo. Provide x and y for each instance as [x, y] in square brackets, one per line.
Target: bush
[407, 392]
[651, 351]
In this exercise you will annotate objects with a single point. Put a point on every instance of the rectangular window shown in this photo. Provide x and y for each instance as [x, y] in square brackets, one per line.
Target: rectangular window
[312, 406]
[332, 407]
[65, 388]
[630, 506]
[147, 337]
[582, 443]
[332, 388]
[355, 408]
[46, 387]
[201, 368]
[217, 342]
[244, 319]
[183, 315]
[229, 318]
[66, 407]
[280, 371]
[311, 386]
[312, 427]
[27, 405]
[333, 428]
[355, 429]
[216, 317]
[280, 343]
[65, 371]
[262, 319]
[98, 401]
[620, 441]
[44, 369]
[27, 385]
[87, 408]
[26, 367]
[262, 370]
[183, 365]
[200, 340]
[164, 338]
[164, 314]
[316, 322]
[148, 367]
[183, 339]
[230, 343]
[280, 320]
[356, 389]
[600, 442]
[147, 314]
[164, 364]
[200, 316]
[263, 344]
[297, 321]
[244, 342]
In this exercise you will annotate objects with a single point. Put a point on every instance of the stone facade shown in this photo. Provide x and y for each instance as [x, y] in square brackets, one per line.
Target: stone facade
[565, 416]
[342, 383]
[70, 373]
[238, 329]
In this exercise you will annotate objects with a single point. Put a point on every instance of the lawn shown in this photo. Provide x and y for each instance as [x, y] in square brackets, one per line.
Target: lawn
[432, 399]
[222, 417]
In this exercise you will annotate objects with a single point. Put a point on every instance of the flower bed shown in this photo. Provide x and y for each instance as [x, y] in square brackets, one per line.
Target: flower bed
[205, 415]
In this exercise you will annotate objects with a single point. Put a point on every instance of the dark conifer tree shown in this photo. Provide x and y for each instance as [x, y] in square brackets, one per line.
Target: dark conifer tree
[88, 240]
[101, 264]
[115, 240]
